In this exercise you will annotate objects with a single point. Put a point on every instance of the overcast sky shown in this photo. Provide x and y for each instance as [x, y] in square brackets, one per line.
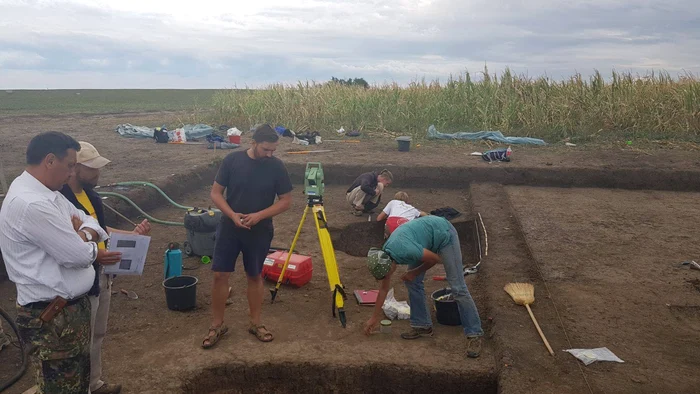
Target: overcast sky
[223, 44]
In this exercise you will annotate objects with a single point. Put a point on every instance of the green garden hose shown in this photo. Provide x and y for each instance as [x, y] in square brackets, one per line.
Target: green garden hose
[133, 204]
[156, 188]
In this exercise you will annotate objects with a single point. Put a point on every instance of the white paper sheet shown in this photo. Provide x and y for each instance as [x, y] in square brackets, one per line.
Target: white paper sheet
[134, 249]
[589, 356]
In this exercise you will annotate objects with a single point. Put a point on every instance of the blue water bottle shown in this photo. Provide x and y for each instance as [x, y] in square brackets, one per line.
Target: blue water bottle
[173, 261]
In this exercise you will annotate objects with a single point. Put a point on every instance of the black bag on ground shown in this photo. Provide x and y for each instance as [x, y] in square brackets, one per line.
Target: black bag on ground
[160, 134]
[448, 213]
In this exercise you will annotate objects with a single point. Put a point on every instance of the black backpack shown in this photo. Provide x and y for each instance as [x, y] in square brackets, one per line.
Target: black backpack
[160, 134]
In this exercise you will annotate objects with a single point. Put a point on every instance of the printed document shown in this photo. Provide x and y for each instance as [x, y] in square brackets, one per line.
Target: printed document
[134, 249]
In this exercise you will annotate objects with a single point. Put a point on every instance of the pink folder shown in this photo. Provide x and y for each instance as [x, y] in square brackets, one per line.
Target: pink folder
[366, 297]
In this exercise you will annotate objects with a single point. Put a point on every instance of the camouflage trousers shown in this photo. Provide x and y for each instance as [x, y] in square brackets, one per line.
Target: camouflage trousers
[4, 338]
[59, 349]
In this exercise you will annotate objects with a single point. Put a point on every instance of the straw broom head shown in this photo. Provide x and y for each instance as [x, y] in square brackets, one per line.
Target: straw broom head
[522, 293]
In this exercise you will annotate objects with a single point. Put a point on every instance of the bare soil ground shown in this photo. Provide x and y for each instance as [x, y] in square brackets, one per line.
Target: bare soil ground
[609, 258]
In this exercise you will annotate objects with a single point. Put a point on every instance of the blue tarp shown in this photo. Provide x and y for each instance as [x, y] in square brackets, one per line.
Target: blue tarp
[191, 131]
[497, 136]
[197, 131]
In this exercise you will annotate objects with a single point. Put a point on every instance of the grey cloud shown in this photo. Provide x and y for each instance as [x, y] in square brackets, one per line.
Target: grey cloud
[344, 38]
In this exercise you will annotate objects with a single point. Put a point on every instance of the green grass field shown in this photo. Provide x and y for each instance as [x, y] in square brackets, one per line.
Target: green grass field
[52, 102]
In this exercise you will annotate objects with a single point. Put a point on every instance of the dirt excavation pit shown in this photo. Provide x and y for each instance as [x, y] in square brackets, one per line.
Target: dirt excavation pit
[356, 239]
[317, 378]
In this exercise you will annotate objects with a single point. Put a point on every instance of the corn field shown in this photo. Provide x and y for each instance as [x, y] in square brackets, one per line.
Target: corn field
[654, 106]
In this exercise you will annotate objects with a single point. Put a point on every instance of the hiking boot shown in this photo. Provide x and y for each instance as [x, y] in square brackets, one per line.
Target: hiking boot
[417, 332]
[473, 347]
[108, 389]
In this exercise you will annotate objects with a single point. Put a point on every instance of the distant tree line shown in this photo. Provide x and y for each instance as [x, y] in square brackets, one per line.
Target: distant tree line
[351, 82]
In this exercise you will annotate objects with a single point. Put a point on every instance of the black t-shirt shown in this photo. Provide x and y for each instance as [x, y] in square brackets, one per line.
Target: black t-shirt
[252, 185]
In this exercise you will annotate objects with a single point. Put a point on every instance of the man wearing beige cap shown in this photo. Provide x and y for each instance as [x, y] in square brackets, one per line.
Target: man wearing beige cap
[79, 191]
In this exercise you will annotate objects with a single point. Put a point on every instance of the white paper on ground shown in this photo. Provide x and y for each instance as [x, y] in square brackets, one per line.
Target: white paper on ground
[589, 356]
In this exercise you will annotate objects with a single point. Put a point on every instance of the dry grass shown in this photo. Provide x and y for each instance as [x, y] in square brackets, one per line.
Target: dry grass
[655, 106]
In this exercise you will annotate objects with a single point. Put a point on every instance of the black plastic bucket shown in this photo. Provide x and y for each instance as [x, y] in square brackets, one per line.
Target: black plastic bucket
[446, 311]
[404, 143]
[181, 292]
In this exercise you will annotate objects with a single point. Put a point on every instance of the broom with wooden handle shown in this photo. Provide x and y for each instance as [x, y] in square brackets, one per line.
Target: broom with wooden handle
[524, 294]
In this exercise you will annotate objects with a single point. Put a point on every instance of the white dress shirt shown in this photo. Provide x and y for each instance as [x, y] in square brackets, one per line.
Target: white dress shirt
[43, 254]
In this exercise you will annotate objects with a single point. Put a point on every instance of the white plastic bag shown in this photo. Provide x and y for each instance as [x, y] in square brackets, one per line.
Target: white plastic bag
[177, 136]
[233, 131]
[589, 356]
[300, 142]
[394, 309]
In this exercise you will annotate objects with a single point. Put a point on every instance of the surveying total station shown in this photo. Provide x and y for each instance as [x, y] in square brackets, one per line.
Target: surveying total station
[313, 189]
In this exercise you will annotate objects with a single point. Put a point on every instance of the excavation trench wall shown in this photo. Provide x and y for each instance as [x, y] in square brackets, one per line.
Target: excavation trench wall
[317, 378]
[437, 177]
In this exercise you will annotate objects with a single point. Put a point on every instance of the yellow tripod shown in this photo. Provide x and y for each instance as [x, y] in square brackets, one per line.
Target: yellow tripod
[313, 188]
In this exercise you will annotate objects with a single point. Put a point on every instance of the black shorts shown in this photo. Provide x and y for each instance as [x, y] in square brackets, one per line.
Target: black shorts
[231, 241]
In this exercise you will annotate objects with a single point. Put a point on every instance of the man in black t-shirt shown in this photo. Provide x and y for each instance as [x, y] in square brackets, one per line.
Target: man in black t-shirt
[252, 180]
[365, 193]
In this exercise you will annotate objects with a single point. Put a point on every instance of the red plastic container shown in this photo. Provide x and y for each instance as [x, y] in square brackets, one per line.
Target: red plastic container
[298, 272]
[234, 139]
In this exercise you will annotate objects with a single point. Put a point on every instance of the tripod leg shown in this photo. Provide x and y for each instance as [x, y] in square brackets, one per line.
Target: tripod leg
[324, 239]
[273, 292]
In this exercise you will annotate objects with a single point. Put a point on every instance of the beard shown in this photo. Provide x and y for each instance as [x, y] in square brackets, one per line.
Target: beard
[259, 157]
[88, 185]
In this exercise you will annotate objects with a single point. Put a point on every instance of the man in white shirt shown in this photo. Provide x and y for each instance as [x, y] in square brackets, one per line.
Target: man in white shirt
[49, 247]
[397, 212]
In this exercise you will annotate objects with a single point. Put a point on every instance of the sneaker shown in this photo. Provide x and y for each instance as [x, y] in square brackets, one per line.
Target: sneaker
[108, 389]
[357, 212]
[416, 333]
[473, 347]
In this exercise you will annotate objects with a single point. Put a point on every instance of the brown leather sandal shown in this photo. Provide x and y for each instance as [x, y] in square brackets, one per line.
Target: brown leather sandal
[263, 336]
[218, 333]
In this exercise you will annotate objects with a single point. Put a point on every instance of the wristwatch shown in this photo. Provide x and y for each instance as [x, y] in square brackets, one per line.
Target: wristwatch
[88, 236]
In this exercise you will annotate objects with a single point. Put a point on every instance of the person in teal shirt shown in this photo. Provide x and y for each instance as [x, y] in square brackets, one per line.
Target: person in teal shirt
[420, 244]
